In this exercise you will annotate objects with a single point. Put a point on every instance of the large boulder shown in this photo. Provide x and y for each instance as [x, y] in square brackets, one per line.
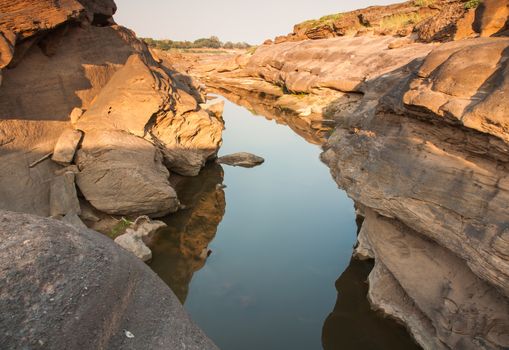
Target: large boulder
[123, 174]
[61, 288]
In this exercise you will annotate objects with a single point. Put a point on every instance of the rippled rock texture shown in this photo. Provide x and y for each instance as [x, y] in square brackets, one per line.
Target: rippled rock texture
[421, 144]
[428, 162]
[67, 65]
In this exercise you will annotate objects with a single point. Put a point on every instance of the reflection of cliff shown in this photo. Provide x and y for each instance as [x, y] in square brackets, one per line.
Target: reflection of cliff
[181, 248]
[352, 324]
[312, 128]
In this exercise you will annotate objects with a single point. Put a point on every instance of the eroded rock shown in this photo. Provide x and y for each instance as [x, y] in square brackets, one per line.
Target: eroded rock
[83, 291]
[134, 244]
[137, 235]
[242, 159]
[463, 310]
[123, 174]
[66, 146]
[63, 196]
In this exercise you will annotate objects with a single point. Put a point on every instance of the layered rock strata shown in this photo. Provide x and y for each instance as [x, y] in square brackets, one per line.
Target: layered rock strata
[421, 145]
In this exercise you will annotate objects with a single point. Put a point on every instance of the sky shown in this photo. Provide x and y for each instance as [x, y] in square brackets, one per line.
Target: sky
[251, 21]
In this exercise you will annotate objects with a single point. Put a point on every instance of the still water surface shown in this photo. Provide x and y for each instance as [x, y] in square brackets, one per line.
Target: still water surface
[279, 237]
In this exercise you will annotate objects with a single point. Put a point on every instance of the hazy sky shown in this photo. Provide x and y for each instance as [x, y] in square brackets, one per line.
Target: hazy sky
[231, 20]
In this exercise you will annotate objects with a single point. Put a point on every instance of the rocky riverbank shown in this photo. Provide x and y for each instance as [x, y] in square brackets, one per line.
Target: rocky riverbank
[420, 143]
[92, 127]
[135, 120]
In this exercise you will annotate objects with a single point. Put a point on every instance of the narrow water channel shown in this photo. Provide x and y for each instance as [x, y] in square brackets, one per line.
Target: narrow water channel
[255, 263]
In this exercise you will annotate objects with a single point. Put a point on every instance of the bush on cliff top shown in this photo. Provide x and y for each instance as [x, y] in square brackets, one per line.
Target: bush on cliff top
[203, 43]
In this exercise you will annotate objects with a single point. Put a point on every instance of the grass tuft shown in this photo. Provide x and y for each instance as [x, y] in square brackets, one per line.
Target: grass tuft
[423, 3]
[121, 226]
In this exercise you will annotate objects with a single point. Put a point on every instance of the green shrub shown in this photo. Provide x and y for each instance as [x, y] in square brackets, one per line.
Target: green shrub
[203, 43]
[251, 50]
[423, 3]
[472, 4]
[399, 21]
[122, 225]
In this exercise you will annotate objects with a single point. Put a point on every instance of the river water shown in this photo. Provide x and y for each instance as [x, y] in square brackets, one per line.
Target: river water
[256, 263]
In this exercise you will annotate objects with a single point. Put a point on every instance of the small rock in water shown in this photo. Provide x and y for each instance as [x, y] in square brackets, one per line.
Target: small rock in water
[243, 159]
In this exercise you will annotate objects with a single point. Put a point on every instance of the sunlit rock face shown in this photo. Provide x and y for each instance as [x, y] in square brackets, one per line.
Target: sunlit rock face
[428, 163]
[421, 144]
[181, 249]
[68, 65]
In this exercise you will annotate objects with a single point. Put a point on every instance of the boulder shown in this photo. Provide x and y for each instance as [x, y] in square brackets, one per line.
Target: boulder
[242, 159]
[127, 102]
[83, 292]
[74, 220]
[188, 141]
[123, 174]
[66, 146]
[137, 235]
[63, 196]
[75, 115]
[134, 244]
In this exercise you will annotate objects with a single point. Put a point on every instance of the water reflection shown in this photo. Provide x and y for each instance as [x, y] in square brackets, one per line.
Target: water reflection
[181, 249]
[352, 324]
[286, 236]
[312, 129]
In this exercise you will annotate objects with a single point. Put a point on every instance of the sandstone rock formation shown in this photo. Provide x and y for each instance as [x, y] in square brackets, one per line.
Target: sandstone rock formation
[61, 288]
[242, 159]
[124, 174]
[133, 240]
[422, 20]
[431, 177]
[68, 65]
[421, 145]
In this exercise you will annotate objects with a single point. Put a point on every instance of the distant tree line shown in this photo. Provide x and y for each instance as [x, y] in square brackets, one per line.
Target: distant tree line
[210, 43]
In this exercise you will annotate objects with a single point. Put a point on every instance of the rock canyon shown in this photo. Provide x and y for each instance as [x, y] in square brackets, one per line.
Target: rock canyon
[409, 102]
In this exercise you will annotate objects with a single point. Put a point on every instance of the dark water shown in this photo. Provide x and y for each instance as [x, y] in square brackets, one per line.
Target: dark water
[279, 237]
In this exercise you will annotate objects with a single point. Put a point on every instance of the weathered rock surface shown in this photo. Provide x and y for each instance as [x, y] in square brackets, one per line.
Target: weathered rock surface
[464, 91]
[83, 292]
[464, 311]
[66, 146]
[133, 240]
[437, 180]
[421, 144]
[68, 65]
[426, 21]
[242, 159]
[63, 196]
[124, 174]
